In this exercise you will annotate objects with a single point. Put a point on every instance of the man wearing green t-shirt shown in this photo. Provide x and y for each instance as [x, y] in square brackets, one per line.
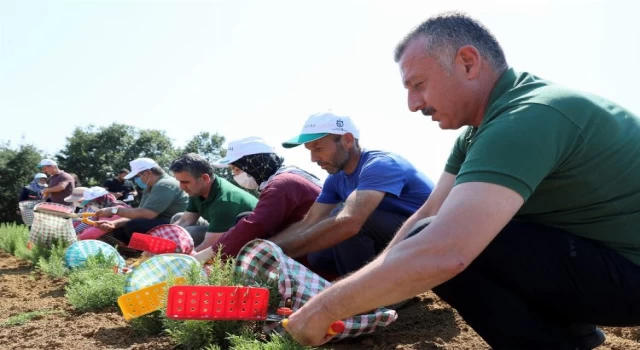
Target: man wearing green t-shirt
[210, 197]
[533, 230]
[162, 198]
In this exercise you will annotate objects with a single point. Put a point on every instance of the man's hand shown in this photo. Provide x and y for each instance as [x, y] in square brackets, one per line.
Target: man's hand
[308, 327]
[104, 213]
[118, 195]
[204, 255]
[106, 226]
[210, 238]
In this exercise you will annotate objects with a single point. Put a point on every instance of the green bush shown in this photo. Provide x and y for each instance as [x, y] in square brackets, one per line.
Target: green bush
[13, 238]
[247, 341]
[54, 265]
[95, 286]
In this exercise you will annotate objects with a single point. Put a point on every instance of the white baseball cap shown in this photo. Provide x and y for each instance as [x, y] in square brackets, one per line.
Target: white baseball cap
[46, 162]
[140, 164]
[39, 176]
[76, 195]
[92, 193]
[320, 125]
[244, 147]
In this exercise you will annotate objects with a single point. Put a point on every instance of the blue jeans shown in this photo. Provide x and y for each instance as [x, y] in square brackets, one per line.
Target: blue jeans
[355, 252]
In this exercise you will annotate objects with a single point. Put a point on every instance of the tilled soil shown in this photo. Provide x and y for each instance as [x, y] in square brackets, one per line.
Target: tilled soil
[425, 322]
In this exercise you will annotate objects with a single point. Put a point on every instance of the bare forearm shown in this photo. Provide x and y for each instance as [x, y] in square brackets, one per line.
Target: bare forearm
[137, 213]
[57, 188]
[324, 234]
[287, 234]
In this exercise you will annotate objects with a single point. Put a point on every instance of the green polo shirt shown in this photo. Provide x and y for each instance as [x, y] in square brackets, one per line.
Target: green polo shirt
[165, 198]
[224, 203]
[573, 157]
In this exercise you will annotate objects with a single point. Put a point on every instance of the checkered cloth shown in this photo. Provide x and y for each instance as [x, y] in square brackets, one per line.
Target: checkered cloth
[47, 228]
[76, 255]
[177, 234]
[260, 259]
[26, 210]
[157, 269]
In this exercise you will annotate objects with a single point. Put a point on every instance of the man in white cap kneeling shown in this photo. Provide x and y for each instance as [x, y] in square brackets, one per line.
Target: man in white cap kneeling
[162, 198]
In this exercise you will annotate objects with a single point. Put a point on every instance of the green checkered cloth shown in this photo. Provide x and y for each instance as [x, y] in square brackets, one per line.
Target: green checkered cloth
[261, 259]
[47, 228]
[26, 211]
[77, 253]
[159, 268]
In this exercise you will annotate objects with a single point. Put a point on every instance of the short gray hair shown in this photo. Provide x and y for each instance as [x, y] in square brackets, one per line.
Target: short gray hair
[447, 32]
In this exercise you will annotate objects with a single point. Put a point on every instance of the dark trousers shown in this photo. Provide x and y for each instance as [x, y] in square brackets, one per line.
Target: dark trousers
[353, 253]
[132, 226]
[533, 286]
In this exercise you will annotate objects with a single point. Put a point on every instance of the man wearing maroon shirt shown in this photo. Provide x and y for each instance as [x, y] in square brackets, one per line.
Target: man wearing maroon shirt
[286, 194]
[61, 184]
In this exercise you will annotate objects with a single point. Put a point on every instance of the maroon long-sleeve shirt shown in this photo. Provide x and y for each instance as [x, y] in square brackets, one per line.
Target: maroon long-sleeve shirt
[284, 201]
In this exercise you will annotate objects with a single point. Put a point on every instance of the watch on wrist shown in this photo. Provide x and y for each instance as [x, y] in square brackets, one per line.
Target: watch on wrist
[114, 210]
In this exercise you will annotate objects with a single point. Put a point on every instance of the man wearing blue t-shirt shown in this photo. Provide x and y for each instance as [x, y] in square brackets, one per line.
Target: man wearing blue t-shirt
[379, 191]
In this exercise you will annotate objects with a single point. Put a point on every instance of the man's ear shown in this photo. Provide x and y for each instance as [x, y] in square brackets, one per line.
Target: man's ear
[348, 140]
[469, 57]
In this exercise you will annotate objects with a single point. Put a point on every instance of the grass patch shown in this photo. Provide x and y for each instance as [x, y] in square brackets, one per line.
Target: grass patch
[13, 239]
[95, 286]
[28, 316]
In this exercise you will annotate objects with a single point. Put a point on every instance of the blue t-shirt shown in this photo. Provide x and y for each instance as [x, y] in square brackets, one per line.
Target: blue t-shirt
[406, 188]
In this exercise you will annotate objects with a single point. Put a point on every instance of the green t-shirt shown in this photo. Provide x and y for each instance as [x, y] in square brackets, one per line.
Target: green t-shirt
[224, 203]
[573, 157]
[165, 198]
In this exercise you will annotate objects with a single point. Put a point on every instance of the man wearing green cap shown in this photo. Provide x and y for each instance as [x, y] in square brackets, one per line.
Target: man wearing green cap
[365, 199]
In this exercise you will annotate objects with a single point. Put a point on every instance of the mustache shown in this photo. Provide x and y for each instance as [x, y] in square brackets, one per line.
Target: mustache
[428, 111]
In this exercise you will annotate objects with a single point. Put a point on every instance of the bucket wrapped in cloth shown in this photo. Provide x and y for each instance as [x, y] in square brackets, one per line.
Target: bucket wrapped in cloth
[48, 228]
[261, 260]
[26, 211]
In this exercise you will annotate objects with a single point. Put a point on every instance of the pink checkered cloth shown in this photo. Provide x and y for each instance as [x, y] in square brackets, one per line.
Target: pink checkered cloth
[261, 260]
[177, 234]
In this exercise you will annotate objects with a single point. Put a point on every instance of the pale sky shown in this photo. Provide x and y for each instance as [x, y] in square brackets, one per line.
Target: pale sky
[259, 68]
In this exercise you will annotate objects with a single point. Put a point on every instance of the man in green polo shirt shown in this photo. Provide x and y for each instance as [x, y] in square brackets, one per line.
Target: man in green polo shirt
[210, 197]
[533, 230]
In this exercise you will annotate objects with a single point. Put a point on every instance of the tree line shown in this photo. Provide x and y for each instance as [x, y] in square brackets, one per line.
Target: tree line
[96, 153]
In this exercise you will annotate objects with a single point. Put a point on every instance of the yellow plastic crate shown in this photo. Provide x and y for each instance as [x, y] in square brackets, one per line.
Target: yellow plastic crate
[145, 300]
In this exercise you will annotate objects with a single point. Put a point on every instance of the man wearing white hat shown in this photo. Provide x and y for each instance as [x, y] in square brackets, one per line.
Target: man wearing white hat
[61, 184]
[211, 197]
[380, 190]
[162, 198]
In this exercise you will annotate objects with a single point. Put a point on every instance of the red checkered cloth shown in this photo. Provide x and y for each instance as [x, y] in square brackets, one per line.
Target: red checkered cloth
[261, 260]
[177, 234]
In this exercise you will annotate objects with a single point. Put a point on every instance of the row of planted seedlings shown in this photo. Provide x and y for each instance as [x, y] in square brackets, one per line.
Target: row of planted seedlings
[96, 287]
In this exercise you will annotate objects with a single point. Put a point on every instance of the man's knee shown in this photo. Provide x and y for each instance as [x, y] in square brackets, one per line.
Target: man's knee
[176, 217]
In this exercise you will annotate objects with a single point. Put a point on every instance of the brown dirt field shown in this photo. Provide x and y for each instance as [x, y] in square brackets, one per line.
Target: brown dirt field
[424, 323]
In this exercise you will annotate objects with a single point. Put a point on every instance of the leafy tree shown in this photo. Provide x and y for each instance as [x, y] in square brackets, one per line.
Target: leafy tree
[209, 146]
[96, 153]
[17, 166]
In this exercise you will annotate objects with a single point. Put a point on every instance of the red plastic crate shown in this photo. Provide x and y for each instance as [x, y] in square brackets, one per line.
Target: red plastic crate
[217, 303]
[152, 244]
